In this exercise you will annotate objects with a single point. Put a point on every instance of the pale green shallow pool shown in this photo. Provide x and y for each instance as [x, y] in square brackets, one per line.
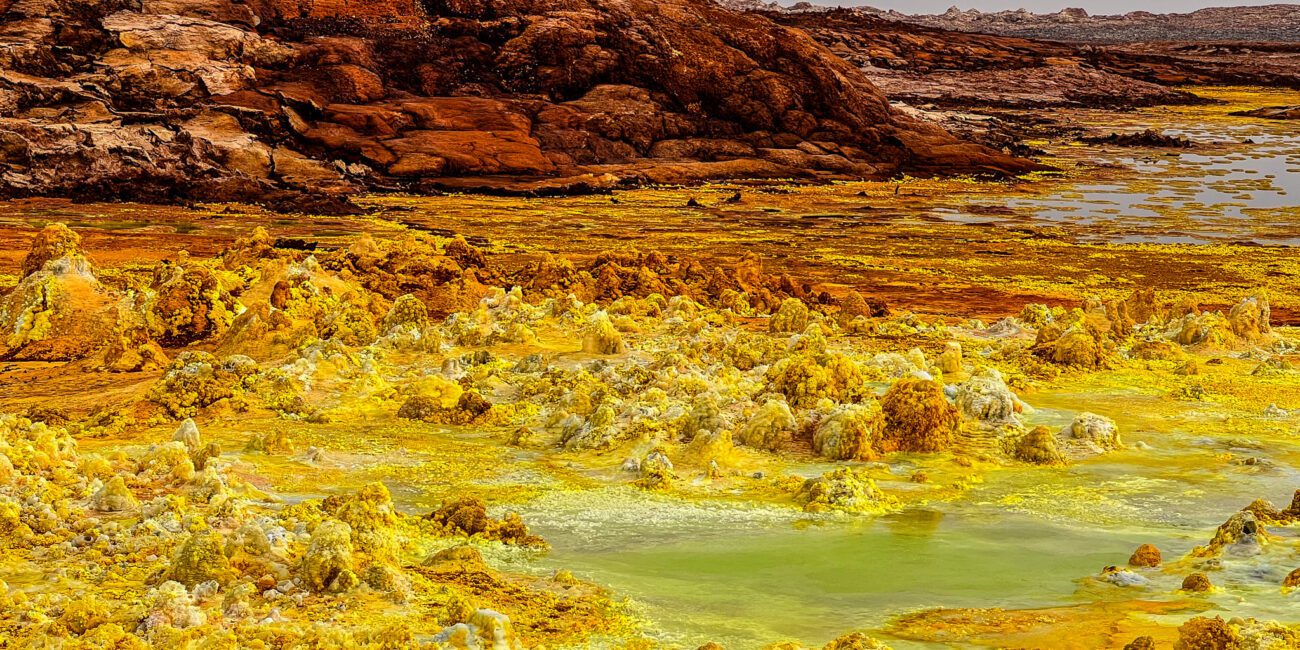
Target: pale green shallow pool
[747, 576]
[746, 588]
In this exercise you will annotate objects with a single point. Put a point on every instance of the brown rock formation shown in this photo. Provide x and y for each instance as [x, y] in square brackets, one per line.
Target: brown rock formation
[1272, 113]
[1145, 138]
[1276, 22]
[268, 99]
[947, 65]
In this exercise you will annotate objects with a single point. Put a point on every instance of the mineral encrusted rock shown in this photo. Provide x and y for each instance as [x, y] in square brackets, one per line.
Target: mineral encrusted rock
[201, 558]
[985, 397]
[1089, 434]
[114, 497]
[59, 310]
[843, 490]
[1197, 582]
[328, 558]
[1039, 447]
[849, 432]
[1146, 555]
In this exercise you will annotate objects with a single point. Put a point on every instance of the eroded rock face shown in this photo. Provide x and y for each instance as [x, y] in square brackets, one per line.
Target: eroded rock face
[964, 59]
[1272, 23]
[220, 100]
[923, 65]
[1272, 113]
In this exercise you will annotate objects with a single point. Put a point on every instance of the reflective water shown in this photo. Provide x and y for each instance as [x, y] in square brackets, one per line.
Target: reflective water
[746, 586]
[1239, 182]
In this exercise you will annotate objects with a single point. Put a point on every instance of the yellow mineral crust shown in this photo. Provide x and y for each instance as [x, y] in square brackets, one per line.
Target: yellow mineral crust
[184, 566]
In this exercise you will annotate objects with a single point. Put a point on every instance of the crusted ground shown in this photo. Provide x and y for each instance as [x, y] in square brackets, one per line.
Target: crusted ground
[336, 373]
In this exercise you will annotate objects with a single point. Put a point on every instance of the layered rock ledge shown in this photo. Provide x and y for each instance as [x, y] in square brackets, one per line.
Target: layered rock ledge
[270, 100]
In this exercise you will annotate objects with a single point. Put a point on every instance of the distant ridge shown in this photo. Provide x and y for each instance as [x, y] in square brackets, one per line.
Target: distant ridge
[1278, 23]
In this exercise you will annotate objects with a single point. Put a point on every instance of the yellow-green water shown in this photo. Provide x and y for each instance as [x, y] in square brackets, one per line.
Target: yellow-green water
[748, 576]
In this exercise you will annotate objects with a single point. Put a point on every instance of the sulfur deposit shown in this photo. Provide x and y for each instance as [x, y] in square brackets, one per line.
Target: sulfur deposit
[208, 556]
[357, 445]
[918, 417]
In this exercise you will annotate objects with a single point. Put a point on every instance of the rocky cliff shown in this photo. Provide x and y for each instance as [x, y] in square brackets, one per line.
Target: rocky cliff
[271, 100]
[921, 64]
[918, 64]
[1276, 23]
[1268, 23]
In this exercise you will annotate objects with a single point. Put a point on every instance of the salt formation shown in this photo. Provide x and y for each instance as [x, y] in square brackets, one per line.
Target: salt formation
[1197, 582]
[196, 380]
[950, 362]
[793, 316]
[327, 565]
[115, 496]
[771, 428]
[468, 516]
[1089, 434]
[986, 398]
[600, 336]
[1146, 555]
[1039, 447]
[206, 555]
[843, 490]
[201, 558]
[634, 369]
[1079, 341]
[850, 432]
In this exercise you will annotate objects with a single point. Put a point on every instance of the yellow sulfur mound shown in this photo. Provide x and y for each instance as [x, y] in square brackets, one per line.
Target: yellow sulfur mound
[849, 432]
[52, 242]
[771, 428]
[805, 379]
[369, 515]
[1202, 633]
[328, 561]
[201, 558]
[1038, 446]
[114, 497]
[792, 317]
[918, 418]
[843, 489]
[600, 336]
